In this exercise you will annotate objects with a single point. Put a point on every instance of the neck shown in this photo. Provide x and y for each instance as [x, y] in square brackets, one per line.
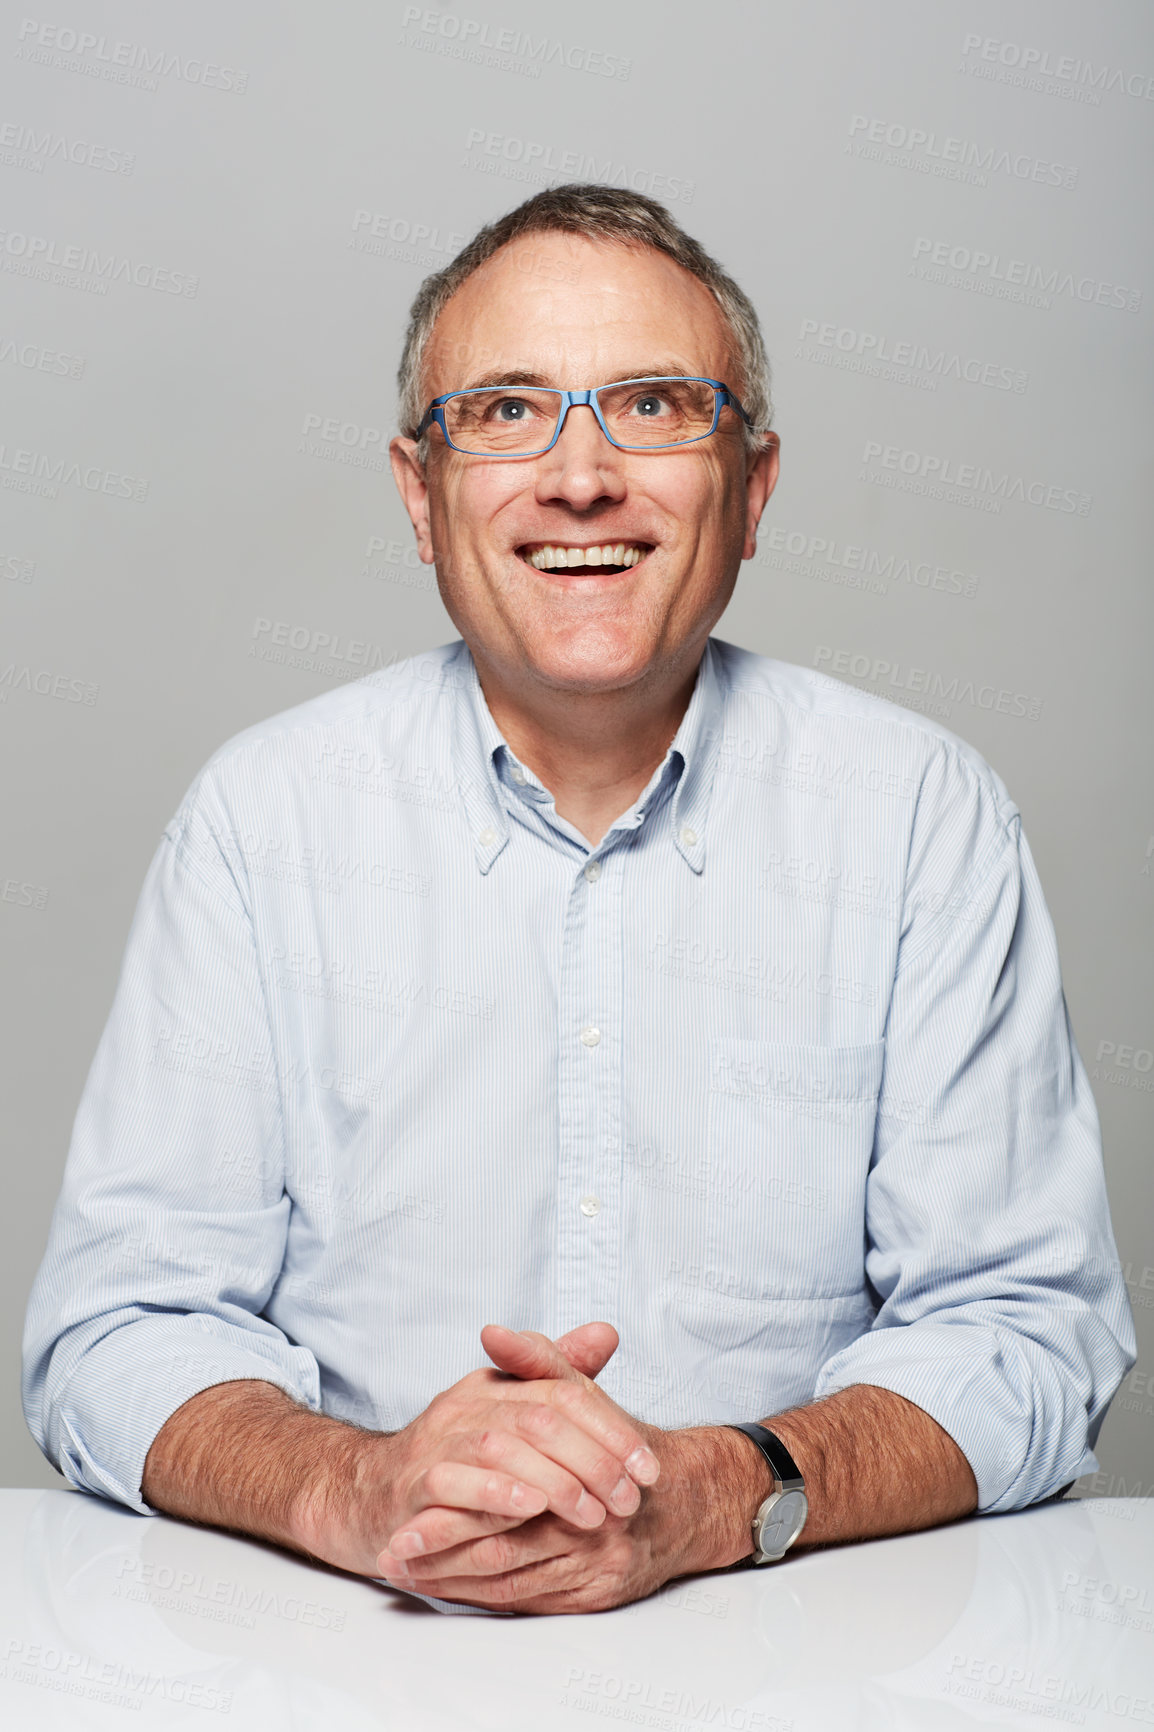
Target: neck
[594, 751]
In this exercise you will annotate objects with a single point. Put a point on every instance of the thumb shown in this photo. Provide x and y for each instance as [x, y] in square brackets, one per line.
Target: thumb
[589, 1347]
[526, 1353]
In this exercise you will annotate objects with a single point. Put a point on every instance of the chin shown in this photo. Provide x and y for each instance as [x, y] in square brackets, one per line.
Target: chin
[592, 666]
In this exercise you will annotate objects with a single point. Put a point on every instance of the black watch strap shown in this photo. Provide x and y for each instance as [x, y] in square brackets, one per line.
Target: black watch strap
[785, 1470]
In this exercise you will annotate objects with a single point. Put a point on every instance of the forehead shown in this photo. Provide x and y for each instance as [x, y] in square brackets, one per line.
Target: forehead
[577, 312]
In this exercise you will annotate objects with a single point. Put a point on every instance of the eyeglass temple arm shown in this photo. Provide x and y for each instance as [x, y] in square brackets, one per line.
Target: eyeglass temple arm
[728, 397]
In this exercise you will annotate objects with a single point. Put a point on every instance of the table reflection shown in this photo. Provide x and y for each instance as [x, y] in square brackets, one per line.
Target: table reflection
[1046, 1613]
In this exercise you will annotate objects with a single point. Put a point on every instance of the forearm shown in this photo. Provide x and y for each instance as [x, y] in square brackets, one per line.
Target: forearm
[244, 1456]
[496, 1449]
[873, 1464]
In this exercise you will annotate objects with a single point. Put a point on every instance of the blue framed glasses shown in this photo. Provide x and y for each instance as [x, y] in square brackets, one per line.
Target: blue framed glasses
[651, 414]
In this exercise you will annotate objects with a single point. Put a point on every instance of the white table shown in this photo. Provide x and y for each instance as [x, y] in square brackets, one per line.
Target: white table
[1045, 1617]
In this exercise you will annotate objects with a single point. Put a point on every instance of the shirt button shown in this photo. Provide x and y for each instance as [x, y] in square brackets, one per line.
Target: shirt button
[590, 1205]
[593, 871]
[688, 836]
[519, 775]
[590, 1036]
[487, 838]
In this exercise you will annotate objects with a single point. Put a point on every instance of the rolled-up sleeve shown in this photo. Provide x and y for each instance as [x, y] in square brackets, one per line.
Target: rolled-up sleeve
[169, 1233]
[1003, 1312]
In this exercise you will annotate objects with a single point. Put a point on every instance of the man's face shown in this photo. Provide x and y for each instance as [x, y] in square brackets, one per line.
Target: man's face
[555, 309]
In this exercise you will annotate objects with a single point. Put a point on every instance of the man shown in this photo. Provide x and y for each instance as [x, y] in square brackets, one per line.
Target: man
[587, 967]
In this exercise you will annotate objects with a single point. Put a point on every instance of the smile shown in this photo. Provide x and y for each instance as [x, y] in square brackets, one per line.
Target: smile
[616, 556]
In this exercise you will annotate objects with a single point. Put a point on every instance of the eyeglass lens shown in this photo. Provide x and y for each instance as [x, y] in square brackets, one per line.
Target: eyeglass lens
[523, 419]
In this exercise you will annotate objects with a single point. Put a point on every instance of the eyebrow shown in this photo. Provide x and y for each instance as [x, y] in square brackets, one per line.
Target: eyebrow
[649, 370]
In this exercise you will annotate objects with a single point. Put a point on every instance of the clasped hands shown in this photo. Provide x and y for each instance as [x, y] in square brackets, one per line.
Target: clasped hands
[523, 1487]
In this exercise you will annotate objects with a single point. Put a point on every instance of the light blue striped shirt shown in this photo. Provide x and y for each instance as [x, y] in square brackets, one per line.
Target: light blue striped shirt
[777, 1078]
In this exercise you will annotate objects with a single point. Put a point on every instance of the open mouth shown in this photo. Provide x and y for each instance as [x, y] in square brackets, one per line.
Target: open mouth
[606, 556]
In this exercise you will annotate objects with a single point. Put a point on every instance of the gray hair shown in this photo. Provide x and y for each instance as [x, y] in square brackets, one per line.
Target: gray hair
[629, 219]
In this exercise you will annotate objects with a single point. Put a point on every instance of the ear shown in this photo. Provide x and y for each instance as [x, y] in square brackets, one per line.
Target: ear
[413, 487]
[760, 481]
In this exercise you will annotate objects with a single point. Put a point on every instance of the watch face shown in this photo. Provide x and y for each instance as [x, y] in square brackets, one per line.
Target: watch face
[783, 1522]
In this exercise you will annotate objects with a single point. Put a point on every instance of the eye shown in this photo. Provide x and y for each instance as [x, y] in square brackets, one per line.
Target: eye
[650, 406]
[511, 410]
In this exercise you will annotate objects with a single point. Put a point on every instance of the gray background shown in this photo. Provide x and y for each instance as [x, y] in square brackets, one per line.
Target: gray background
[209, 239]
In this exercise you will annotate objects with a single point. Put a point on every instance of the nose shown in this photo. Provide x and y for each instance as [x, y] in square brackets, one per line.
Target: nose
[583, 466]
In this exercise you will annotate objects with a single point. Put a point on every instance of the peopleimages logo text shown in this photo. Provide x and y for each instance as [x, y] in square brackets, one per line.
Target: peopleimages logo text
[1040, 63]
[853, 562]
[537, 51]
[1018, 277]
[973, 478]
[35, 472]
[101, 56]
[870, 347]
[915, 144]
[38, 252]
[537, 162]
[36, 358]
[925, 683]
[24, 147]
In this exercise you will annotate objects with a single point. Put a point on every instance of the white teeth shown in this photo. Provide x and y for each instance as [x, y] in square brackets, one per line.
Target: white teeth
[550, 558]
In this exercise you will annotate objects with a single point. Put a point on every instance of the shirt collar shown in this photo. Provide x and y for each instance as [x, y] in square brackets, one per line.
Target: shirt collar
[478, 742]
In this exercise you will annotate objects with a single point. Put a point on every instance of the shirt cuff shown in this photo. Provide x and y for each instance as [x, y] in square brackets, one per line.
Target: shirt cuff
[958, 1374]
[445, 1605]
[136, 1377]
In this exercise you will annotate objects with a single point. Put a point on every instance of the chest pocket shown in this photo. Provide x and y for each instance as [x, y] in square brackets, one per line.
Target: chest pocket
[790, 1135]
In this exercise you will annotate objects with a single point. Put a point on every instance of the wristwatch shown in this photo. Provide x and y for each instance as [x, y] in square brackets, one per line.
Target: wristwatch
[781, 1517]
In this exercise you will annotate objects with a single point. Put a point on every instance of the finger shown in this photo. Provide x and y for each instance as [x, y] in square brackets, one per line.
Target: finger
[551, 1584]
[525, 1353]
[534, 1441]
[539, 1588]
[485, 1490]
[439, 1528]
[504, 1445]
[609, 1426]
[589, 1347]
[494, 1554]
[531, 1358]
[585, 1435]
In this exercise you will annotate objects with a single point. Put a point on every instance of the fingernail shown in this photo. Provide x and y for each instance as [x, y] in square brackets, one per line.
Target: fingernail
[406, 1545]
[590, 1511]
[625, 1496]
[643, 1465]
